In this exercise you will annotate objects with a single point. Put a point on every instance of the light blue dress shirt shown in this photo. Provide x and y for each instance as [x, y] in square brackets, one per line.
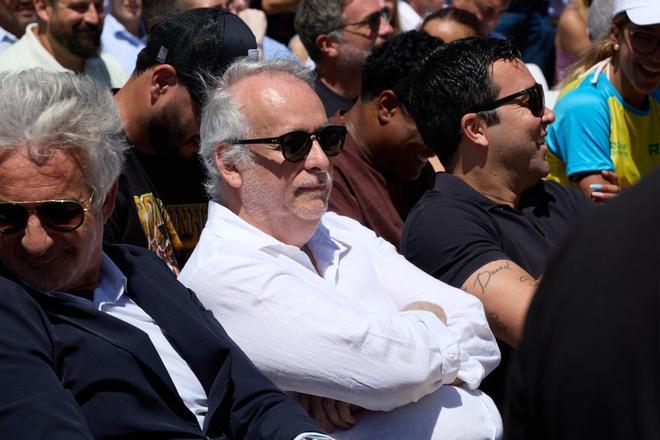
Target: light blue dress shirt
[120, 43]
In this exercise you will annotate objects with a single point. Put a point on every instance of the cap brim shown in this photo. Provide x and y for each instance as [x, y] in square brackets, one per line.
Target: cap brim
[645, 15]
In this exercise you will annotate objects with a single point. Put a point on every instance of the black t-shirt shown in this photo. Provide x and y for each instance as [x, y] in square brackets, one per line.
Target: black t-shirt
[454, 230]
[332, 102]
[589, 361]
[161, 205]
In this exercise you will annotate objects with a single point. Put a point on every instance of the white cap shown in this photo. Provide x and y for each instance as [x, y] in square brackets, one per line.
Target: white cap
[640, 12]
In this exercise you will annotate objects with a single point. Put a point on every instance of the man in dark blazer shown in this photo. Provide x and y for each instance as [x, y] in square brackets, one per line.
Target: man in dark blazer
[103, 343]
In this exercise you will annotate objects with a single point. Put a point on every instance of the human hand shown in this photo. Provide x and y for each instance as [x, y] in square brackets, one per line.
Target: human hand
[601, 192]
[329, 413]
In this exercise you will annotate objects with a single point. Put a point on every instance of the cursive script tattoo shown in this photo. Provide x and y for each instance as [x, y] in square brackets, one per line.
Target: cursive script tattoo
[484, 277]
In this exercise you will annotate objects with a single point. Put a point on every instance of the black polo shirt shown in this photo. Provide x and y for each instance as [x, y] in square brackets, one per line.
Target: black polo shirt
[454, 230]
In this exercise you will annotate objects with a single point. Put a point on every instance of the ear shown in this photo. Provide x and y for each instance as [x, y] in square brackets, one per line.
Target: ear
[162, 81]
[473, 129]
[109, 202]
[327, 45]
[388, 106]
[231, 175]
[43, 10]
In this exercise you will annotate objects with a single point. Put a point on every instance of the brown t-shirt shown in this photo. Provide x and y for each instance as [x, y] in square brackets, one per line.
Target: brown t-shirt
[363, 193]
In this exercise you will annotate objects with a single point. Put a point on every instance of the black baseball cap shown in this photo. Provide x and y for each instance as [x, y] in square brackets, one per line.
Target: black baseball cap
[199, 42]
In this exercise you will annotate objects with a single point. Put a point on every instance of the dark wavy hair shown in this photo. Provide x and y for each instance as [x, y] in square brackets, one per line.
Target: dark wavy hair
[452, 82]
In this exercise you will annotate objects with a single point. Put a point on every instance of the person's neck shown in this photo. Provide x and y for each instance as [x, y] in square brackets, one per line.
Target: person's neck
[132, 115]
[356, 124]
[624, 87]
[65, 58]
[342, 83]
[497, 185]
[133, 26]
[294, 235]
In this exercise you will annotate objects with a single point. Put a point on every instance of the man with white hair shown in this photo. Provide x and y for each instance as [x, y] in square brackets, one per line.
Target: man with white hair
[324, 307]
[100, 343]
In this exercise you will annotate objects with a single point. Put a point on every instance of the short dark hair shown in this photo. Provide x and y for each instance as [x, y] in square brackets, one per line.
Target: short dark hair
[460, 16]
[454, 81]
[389, 67]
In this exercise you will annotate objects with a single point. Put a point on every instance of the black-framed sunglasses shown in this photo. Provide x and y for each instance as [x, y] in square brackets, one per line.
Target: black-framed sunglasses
[643, 43]
[372, 20]
[535, 100]
[296, 145]
[58, 215]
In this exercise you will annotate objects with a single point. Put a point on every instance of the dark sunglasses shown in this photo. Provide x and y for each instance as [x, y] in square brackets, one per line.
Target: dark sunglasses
[372, 20]
[296, 145]
[643, 42]
[535, 101]
[58, 215]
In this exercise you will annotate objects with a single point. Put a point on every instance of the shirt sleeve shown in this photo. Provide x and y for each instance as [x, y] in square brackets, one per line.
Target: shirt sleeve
[34, 404]
[466, 319]
[580, 136]
[309, 337]
[453, 250]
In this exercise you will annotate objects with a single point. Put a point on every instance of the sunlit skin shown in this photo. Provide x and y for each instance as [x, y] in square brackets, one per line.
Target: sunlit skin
[448, 30]
[635, 75]
[340, 68]
[67, 20]
[517, 142]
[127, 12]
[22, 11]
[47, 259]
[487, 11]
[283, 199]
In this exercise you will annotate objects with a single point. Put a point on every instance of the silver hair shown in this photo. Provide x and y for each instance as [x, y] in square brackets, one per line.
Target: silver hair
[223, 121]
[43, 112]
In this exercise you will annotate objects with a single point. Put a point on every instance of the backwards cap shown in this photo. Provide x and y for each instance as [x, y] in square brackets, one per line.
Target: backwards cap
[198, 42]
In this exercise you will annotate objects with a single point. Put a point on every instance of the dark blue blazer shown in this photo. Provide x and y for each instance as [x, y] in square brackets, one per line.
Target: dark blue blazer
[68, 372]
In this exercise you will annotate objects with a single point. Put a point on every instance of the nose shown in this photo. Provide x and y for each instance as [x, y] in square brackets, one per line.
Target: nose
[94, 15]
[36, 240]
[548, 116]
[385, 29]
[317, 159]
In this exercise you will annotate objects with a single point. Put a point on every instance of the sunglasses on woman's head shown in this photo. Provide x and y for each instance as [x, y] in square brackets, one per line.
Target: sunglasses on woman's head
[296, 145]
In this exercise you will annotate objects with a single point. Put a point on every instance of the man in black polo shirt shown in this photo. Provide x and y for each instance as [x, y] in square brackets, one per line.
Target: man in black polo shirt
[490, 221]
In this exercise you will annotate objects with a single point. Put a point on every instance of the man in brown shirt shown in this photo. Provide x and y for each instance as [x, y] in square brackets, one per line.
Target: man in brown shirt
[384, 167]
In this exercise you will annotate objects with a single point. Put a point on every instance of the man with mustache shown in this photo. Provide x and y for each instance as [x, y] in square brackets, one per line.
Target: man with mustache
[490, 221]
[339, 35]
[66, 37]
[322, 306]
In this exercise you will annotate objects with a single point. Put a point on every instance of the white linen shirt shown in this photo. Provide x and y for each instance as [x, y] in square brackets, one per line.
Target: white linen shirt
[340, 334]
